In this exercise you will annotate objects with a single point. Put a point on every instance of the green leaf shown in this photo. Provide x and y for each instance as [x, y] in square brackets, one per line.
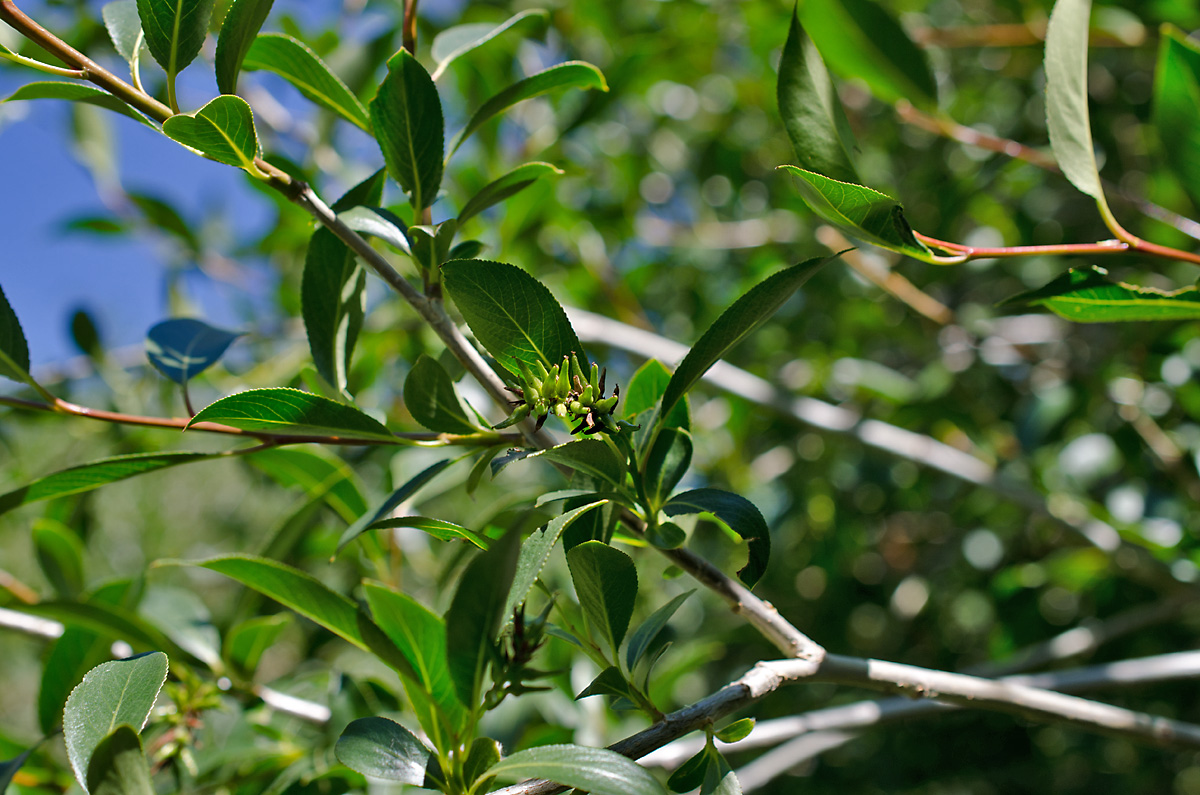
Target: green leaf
[438, 528]
[475, 615]
[1177, 107]
[245, 643]
[183, 617]
[484, 753]
[183, 348]
[430, 397]
[735, 323]
[9, 768]
[511, 313]
[242, 23]
[76, 92]
[739, 514]
[320, 473]
[572, 74]
[643, 637]
[111, 694]
[860, 39]
[1066, 97]
[86, 477]
[610, 682]
[175, 30]
[290, 412]
[860, 212]
[333, 290]
[406, 115]
[1087, 295]
[811, 111]
[736, 731]
[295, 62]
[535, 551]
[60, 554]
[596, 770]
[454, 42]
[606, 583]
[307, 596]
[513, 182]
[118, 766]
[690, 774]
[124, 28]
[222, 130]
[420, 635]
[382, 748]
[667, 463]
[590, 456]
[644, 391]
[720, 779]
[380, 223]
[401, 494]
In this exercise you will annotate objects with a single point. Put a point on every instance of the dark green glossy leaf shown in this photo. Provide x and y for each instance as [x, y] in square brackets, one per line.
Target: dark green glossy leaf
[124, 28]
[430, 397]
[295, 62]
[811, 111]
[735, 323]
[667, 463]
[511, 313]
[420, 635]
[175, 30]
[861, 212]
[610, 682]
[222, 130]
[290, 412]
[739, 514]
[861, 39]
[245, 643]
[86, 335]
[643, 637]
[484, 753]
[320, 473]
[719, 778]
[111, 694]
[184, 347]
[438, 528]
[738, 730]
[382, 748]
[590, 456]
[596, 770]
[475, 614]
[511, 183]
[333, 290]
[1067, 117]
[401, 494]
[406, 115]
[1087, 295]
[1177, 107]
[76, 92]
[572, 74]
[690, 774]
[535, 551]
[606, 583]
[242, 23]
[666, 535]
[468, 249]
[461, 39]
[60, 554]
[119, 765]
[86, 477]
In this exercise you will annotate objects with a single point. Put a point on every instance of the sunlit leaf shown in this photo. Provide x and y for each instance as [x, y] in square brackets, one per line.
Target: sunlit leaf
[382, 748]
[461, 39]
[406, 116]
[222, 130]
[290, 412]
[124, 28]
[242, 23]
[535, 551]
[1087, 295]
[511, 183]
[320, 473]
[590, 456]
[175, 30]
[1177, 107]
[76, 92]
[438, 528]
[295, 62]
[595, 770]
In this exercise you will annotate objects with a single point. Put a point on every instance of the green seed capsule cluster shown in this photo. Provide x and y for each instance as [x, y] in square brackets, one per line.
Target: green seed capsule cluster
[567, 391]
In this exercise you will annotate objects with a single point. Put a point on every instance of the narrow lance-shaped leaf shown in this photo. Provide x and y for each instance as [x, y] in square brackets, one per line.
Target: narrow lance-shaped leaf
[86, 477]
[175, 30]
[438, 528]
[811, 111]
[644, 635]
[290, 412]
[76, 92]
[511, 313]
[124, 28]
[590, 456]
[667, 463]
[430, 397]
[1087, 295]
[183, 348]
[406, 491]
[111, 694]
[382, 748]
[742, 518]
[735, 323]
[60, 555]
[222, 130]
[606, 582]
[1177, 107]
[242, 23]
[861, 212]
[572, 74]
[295, 62]
[535, 551]
[14, 351]
[511, 183]
[119, 765]
[1067, 115]
[595, 770]
[406, 115]
[457, 41]
[861, 39]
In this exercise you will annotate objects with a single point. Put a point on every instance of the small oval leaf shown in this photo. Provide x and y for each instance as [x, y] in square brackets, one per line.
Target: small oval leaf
[384, 749]
[222, 130]
[183, 348]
